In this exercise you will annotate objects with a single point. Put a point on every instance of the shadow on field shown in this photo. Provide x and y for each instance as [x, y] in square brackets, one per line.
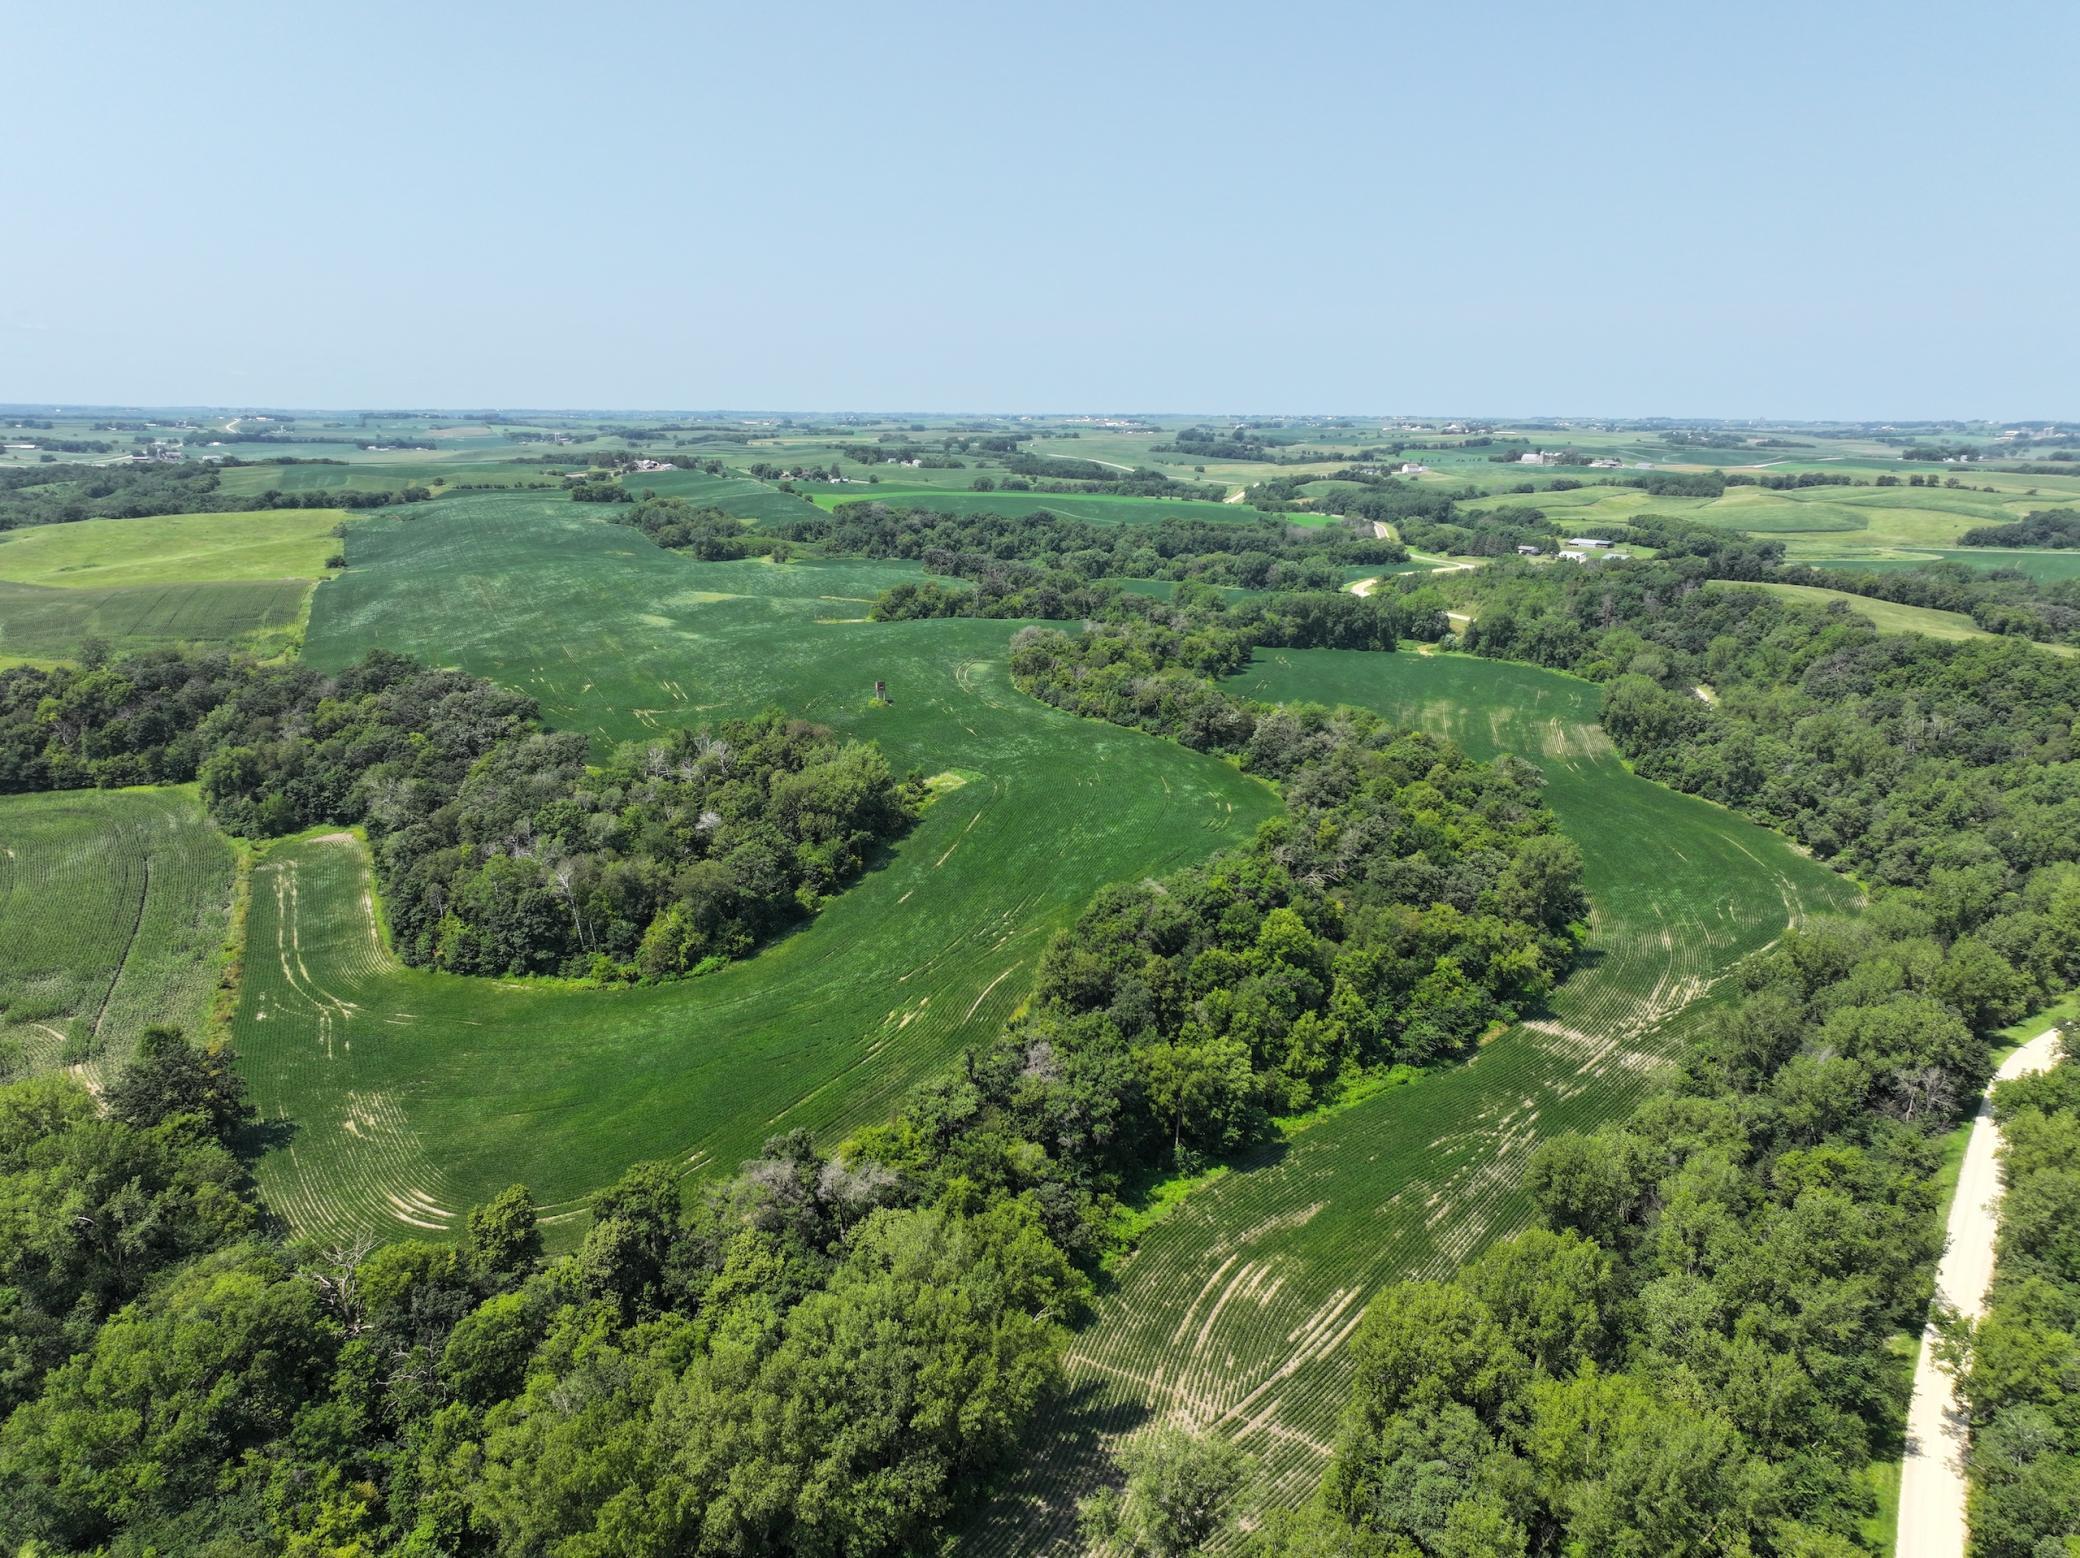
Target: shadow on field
[1033, 1495]
[249, 1144]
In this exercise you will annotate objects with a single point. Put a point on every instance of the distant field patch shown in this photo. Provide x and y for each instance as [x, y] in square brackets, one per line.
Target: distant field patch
[2043, 566]
[1093, 508]
[1890, 616]
[172, 548]
[113, 909]
[743, 496]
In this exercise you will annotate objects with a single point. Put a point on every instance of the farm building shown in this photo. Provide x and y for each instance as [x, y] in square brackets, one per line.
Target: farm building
[1570, 555]
[1587, 541]
[1527, 551]
[1414, 468]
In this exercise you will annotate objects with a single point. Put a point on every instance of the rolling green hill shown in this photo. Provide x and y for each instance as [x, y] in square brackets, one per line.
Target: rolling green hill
[412, 1094]
[1232, 1313]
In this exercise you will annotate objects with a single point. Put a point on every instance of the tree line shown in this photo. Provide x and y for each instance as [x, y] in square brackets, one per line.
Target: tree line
[1690, 1354]
[2019, 1361]
[500, 848]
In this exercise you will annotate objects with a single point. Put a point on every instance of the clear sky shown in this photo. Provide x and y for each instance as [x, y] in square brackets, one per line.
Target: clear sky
[1814, 210]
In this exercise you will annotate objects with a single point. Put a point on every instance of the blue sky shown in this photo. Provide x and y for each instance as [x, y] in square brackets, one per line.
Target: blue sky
[1851, 210]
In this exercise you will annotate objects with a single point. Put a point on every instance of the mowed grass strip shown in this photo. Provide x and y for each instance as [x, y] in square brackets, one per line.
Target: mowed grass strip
[1233, 1313]
[113, 911]
[410, 1094]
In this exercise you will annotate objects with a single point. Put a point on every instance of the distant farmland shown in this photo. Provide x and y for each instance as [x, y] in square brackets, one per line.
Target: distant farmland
[1094, 508]
[1233, 1312]
[207, 579]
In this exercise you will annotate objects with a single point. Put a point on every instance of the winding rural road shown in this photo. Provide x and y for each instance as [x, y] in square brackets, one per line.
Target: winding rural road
[1932, 1479]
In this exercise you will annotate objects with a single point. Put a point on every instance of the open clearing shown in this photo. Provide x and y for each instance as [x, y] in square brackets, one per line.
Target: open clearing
[113, 910]
[1233, 1312]
[413, 1094]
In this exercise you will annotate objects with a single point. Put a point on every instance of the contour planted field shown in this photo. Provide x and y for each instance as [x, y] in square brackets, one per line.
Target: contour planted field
[1233, 1313]
[744, 496]
[113, 909]
[413, 1094]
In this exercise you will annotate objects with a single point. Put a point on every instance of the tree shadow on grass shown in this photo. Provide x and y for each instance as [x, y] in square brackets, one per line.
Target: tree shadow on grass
[1030, 1506]
[249, 1144]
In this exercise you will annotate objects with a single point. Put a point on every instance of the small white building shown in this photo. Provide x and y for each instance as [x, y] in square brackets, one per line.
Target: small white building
[1411, 468]
[1569, 555]
[1527, 551]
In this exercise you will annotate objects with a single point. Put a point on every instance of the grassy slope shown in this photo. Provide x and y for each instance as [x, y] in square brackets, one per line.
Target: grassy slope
[113, 908]
[1233, 1311]
[2046, 567]
[416, 1090]
[110, 553]
[1889, 616]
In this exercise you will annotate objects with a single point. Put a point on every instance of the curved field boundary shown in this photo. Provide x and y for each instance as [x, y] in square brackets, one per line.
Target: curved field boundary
[406, 1095]
[113, 908]
[1233, 1313]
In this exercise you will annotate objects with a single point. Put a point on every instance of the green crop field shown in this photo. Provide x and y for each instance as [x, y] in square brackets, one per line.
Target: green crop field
[172, 549]
[172, 579]
[1233, 1312]
[113, 910]
[412, 1094]
[743, 496]
[2046, 567]
[50, 624]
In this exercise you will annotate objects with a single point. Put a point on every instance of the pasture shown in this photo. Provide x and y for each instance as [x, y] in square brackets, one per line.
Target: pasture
[113, 910]
[1233, 1312]
[412, 1094]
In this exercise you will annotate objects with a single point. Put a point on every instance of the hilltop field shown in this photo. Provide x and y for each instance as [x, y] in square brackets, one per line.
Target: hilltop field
[394, 1095]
